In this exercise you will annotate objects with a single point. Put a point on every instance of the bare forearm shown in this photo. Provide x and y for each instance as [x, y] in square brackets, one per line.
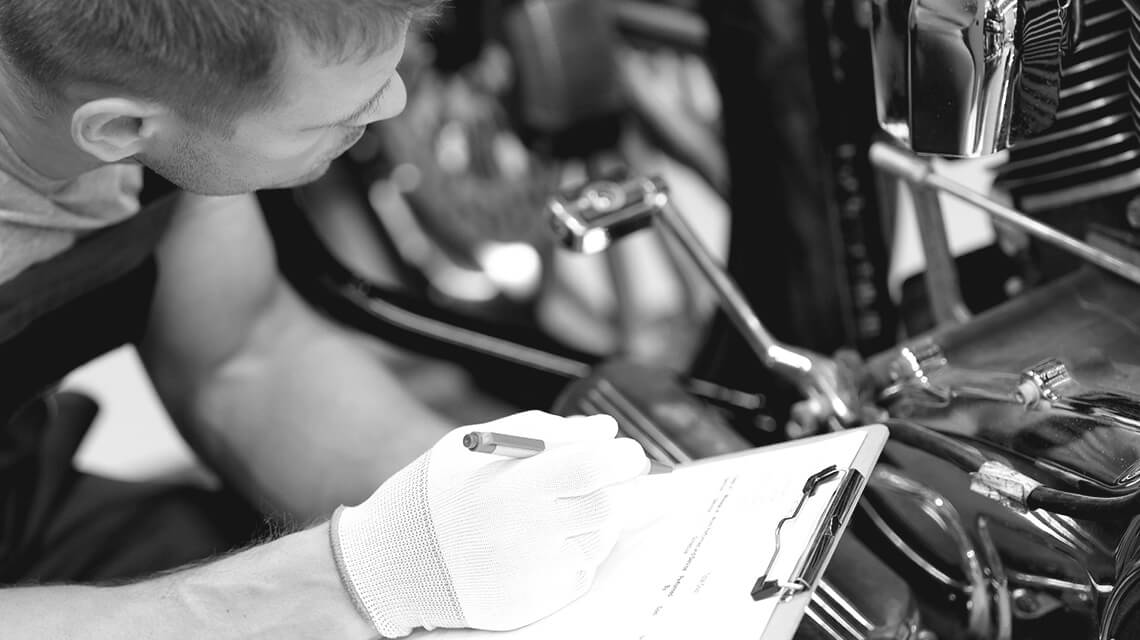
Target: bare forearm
[313, 425]
[285, 589]
[287, 405]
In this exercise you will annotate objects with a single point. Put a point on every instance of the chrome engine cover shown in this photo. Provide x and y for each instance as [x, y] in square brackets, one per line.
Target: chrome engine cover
[970, 380]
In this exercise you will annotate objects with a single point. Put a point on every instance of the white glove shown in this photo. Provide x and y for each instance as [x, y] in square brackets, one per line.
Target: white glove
[464, 539]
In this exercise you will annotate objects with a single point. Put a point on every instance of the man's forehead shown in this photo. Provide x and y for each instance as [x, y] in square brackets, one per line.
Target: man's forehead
[314, 84]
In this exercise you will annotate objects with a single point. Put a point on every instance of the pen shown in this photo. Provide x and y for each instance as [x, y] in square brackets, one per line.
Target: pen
[519, 447]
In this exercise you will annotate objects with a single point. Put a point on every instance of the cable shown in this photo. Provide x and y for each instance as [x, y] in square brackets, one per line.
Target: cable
[969, 459]
[918, 436]
[1084, 507]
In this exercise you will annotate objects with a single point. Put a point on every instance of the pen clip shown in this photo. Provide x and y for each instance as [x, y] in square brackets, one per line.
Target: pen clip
[811, 564]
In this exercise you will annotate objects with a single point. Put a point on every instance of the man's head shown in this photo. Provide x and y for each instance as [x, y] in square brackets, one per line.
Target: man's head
[219, 96]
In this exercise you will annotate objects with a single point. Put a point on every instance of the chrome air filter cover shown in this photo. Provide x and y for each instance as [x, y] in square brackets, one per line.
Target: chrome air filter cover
[1091, 149]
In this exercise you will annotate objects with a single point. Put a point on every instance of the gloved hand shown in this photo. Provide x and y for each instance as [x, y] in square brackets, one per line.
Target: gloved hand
[464, 539]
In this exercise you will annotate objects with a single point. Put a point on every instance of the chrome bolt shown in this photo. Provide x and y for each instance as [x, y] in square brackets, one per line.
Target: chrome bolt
[1132, 213]
[1024, 602]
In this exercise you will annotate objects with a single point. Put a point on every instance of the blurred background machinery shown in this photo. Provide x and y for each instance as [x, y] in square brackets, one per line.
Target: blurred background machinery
[791, 142]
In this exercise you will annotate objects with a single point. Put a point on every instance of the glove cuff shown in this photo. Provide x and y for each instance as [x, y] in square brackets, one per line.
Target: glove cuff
[346, 582]
[389, 559]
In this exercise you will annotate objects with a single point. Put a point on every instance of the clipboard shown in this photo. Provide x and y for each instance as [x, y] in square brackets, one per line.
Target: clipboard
[730, 547]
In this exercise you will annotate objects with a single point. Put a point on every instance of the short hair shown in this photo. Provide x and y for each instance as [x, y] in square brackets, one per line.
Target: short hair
[210, 60]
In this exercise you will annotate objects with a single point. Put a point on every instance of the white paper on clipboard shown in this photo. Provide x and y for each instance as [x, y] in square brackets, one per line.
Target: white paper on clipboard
[702, 535]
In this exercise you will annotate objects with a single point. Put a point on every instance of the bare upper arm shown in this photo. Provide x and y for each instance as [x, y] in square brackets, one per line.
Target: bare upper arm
[217, 282]
[240, 361]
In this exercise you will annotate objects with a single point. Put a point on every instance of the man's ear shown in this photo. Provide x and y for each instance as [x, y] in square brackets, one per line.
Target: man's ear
[114, 129]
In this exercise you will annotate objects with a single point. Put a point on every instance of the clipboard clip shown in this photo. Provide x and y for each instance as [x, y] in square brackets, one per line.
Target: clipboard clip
[811, 564]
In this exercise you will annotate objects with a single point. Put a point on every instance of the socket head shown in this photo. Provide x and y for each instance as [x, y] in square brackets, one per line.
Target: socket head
[591, 218]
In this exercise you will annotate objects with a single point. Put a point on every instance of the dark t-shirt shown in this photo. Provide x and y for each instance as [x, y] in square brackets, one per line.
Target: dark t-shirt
[54, 317]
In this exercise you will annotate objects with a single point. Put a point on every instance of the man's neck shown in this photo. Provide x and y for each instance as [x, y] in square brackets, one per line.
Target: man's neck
[42, 143]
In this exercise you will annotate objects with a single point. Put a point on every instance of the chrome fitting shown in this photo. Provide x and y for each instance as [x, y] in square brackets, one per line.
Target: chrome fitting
[1004, 485]
[917, 361]
[1043, 382]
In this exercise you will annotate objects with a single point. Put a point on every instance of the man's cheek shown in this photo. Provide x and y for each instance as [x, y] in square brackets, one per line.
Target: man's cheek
[285, 149]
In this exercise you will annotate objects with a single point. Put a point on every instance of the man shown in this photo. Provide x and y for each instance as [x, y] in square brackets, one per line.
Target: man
[222, 98]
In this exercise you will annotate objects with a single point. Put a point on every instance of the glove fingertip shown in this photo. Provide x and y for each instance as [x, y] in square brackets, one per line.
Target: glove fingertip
[630, 460]
[596, 427]
[611, 463]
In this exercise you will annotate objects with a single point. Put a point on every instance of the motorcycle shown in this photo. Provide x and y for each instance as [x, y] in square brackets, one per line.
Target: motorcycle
[1005, 505]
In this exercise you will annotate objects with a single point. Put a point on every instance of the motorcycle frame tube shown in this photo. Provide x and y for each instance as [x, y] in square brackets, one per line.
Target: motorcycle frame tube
[920, 174]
